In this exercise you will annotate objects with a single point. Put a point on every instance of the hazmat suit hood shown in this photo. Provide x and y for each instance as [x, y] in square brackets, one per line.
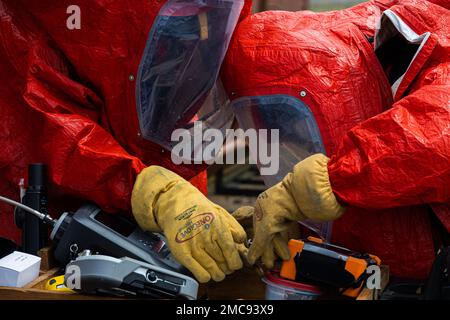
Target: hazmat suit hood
[312, 102]
[367, 86]
[335, 72]
[149, 66]
[79, 92]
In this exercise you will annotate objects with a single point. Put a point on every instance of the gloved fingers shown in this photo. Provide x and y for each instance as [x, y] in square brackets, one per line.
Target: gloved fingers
[260, 242]
[224, 267]
[243, 252]
[244, 216]
[213, 249]
[237, 231]
[208, 263]
[193, 266]
[280, 244]
[229, 250]
[242, 249]
[268, 257]
[243, 213]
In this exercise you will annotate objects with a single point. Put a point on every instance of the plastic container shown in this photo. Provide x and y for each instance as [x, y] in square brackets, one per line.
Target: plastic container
[282, 289]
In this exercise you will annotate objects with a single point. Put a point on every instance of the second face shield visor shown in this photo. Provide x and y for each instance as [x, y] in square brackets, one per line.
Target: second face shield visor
[181, 63]
[298, 132]
[299, 135]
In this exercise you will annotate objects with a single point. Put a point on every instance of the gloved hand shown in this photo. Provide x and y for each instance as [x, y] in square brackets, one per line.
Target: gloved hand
[201, 235]
[245, 216]
[304, 194]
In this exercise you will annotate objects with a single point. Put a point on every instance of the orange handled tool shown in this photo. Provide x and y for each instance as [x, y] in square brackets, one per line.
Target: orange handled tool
[317, 261]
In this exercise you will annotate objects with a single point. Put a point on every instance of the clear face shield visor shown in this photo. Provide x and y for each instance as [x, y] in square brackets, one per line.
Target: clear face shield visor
[177, 79]
[299, 135]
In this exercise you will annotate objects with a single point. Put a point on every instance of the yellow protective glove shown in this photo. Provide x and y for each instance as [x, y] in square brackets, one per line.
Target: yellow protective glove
[201, 235]
[304, 194]
[245, 216]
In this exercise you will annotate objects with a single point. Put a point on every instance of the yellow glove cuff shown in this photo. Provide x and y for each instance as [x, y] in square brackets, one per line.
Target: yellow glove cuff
[150, 184]
[312, 190]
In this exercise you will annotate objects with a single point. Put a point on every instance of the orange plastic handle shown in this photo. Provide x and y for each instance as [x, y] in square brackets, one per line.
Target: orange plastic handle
[288, 268]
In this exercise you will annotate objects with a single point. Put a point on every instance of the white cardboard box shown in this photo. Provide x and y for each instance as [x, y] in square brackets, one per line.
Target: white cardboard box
[18, 269]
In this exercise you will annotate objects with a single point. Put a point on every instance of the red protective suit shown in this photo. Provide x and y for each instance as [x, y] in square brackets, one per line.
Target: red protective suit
[389, 146]
[67, 99]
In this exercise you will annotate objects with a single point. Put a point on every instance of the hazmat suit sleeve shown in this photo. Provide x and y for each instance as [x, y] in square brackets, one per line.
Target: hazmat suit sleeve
[402, 156]
[84, 160]
[100, 170]
[49, 117]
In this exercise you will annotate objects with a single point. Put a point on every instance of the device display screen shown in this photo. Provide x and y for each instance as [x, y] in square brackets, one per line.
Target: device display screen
[116, 223]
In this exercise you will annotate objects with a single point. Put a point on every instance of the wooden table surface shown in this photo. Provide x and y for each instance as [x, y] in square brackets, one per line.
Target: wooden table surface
[245, 284]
